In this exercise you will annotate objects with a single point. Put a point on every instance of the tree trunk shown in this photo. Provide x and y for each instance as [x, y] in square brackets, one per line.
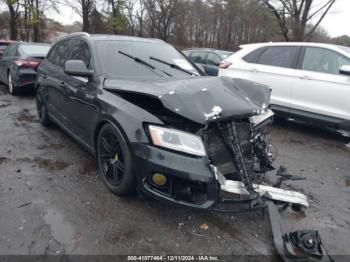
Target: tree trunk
[13, 22]
[114, 16]
[85, 11]
[36, 35]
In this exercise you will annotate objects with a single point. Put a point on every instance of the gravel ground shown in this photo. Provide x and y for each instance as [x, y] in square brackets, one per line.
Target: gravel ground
[54, 202]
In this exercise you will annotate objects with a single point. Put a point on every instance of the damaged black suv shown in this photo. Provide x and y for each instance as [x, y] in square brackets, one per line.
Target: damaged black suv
[156, 124]
[153, 122]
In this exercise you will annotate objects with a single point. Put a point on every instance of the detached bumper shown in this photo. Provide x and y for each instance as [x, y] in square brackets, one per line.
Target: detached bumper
[190, 181]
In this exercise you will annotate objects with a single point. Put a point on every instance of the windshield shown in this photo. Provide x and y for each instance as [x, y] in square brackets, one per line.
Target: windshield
[38, 50]
[116, 64]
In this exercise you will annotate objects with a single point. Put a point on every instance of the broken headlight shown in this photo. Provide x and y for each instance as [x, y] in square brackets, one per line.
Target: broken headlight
[177, 140]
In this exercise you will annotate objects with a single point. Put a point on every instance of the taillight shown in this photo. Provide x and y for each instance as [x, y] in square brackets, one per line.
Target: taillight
[224, 64]
[27, 63]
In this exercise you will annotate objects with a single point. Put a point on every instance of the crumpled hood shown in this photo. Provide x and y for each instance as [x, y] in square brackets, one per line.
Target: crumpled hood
[201, 99]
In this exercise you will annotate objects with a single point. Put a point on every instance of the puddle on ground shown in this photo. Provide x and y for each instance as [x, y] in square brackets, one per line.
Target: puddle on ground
[51, 146]
[3, 92]
[4, 105]
[51, 165]
[48, 164]
[115, 237]
[25, 116]
[62, 231]
[88, 167]
[347, 181]
[3, 159]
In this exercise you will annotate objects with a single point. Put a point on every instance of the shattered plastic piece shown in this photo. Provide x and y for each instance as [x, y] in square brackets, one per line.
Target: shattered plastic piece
[347, 145]
[302, 245]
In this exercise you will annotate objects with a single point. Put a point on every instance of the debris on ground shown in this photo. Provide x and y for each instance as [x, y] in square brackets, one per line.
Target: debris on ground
[181, 224]
[347, 145]
[204, 226]
[25, 204]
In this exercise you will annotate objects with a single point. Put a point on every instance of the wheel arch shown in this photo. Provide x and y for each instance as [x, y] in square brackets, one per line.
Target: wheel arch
[101, 124]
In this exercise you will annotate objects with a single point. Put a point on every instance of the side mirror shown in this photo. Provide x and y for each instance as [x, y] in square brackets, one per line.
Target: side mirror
[77, 68]
[345, 70]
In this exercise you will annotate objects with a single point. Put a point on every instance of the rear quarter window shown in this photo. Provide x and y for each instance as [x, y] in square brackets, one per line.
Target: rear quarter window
[253, 56]
[280, 56]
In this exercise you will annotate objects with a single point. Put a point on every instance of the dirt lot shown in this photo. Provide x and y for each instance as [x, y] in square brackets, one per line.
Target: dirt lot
[52, 200]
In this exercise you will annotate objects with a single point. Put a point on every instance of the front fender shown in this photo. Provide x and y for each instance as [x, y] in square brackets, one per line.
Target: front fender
[127, 117]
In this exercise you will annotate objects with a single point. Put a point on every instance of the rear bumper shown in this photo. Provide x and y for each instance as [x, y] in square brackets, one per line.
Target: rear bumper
[25, 77]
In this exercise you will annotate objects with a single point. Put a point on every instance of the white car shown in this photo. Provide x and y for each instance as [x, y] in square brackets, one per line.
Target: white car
[309, 81]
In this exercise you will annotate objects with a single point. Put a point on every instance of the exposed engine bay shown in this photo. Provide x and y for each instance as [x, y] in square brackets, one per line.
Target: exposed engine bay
[231, 123]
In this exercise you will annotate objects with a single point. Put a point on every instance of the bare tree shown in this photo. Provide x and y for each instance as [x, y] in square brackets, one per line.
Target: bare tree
[162, 14]
[83, 8]
[294, 15]
[13, 6]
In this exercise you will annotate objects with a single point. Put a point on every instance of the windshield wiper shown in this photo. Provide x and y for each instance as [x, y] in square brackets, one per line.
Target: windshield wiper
[172, 65]
[143, 62]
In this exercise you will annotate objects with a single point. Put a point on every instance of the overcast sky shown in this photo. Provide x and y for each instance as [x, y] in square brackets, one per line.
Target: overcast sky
[337, 21]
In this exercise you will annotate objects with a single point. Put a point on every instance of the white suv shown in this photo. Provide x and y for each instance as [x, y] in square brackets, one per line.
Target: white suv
[308, 80]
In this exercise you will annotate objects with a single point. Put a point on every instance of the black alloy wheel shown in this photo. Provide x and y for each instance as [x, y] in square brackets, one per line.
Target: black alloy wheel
[114, 161]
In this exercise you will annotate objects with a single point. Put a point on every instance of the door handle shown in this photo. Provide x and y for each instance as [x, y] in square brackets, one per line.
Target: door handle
[305, 77]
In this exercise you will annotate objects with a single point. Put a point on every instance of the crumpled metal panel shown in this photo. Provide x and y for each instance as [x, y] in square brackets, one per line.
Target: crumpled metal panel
[202, 99]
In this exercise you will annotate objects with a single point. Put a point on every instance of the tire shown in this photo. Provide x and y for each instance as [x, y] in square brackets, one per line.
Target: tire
[114, 161]
[42, 110]
[13, 90]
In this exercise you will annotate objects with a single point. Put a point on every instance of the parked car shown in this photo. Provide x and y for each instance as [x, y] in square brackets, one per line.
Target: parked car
[3, 45]
[19, 64]
[155, 125]
[309, 81]
[140, 107]
[207, 59]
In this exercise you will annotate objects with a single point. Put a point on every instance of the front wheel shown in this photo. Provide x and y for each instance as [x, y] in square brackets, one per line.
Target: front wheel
[115, 161]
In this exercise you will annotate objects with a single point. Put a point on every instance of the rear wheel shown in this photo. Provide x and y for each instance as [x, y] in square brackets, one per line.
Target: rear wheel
[12, 88]
[42, 110]
[114, 161]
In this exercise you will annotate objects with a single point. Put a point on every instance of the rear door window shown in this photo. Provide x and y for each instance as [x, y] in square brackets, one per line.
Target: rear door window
[280, 56]
[199, 57]
[323, 60]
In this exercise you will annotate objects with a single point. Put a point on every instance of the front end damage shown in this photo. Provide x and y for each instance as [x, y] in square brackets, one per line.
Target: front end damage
[230, 117]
